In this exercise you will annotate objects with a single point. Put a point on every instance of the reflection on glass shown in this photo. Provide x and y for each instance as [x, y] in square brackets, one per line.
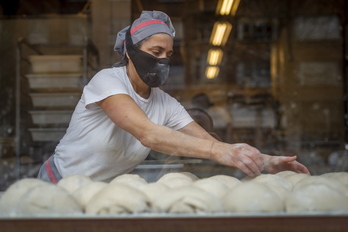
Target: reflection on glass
[212, 72]
[226, 7]
[220, 33]
[215, 56]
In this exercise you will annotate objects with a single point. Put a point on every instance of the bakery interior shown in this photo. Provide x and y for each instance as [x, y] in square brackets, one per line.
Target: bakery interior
[277, 68]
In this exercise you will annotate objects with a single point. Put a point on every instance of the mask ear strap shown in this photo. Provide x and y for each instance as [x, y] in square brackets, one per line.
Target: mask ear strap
[130, 47]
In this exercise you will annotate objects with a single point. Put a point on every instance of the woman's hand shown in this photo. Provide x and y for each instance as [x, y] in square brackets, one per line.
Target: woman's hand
[251, 161]
[274, 164]
[240, 155]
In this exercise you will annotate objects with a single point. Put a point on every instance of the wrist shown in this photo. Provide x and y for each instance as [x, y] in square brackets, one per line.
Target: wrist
[266, 161]
[211, 150]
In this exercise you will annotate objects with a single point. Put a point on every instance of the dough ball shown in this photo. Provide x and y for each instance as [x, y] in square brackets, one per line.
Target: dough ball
[118, 198]
[177, 179]
[280, 191]
[247, 178]
[48, 199]
[176, 182]
[273, 180]
[296, 177]
[192, 176]
[133, 180]
[315, 197]
[285, 174]
[229, 181]
[278, 184]
[84, 194]
[187, 199]
[340, 176]
[73, 182]
[252, 197]
[185, 175]
[320, 180]
[212, 186]
[11, 199]
[153, 190]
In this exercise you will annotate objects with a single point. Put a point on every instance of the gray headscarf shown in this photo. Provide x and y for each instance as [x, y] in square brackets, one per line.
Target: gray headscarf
[149, 23]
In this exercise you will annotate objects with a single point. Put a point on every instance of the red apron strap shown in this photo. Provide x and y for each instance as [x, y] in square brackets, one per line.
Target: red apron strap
[50, 172]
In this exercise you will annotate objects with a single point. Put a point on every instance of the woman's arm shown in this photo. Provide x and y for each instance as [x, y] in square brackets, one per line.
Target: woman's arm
[190, 141]
[126, 114]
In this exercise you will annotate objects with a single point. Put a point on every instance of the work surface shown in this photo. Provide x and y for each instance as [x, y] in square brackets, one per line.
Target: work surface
[165, 222]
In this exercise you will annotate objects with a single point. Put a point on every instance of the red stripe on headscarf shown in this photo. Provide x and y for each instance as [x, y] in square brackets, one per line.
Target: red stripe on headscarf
[144, 24]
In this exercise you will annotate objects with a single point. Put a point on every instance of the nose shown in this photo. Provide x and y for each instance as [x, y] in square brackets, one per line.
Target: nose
[164, 60]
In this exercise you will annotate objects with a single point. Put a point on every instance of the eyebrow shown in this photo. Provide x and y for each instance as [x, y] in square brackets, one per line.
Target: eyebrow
[162, 48]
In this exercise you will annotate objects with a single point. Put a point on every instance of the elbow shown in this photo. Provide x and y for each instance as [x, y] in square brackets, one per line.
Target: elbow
[155, 137]
[148, 140]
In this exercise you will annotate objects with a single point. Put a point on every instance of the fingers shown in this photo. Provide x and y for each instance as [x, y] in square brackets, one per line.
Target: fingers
[252, 159]
[289, 158]
[302, 169]
[299, 168]
[251, 166]
[247, 169]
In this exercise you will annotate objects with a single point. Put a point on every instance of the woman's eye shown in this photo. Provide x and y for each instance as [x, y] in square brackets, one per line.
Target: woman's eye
[156, 53]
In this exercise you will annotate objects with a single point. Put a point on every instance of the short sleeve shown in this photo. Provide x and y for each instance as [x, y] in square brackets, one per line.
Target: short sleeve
[105, 83]
[178, 116]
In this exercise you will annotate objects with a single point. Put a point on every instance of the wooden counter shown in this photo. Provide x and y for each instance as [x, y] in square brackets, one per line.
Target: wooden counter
[240, 223]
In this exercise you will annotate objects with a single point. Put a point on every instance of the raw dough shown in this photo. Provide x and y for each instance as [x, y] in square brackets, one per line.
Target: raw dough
[176, 182]
[316, 197]
[321, 180]
[230, 181]
[285, 174]
[48, 199]
[340, 176]
[296, 177]
[84, 194]
[187, 199]
[215, 187]
[278, 184]
[133, 180]
[12, 196]
[251, 197]
[153, 190]
[247, 178]
[177, 179]
[185, 175]
[118, 198]
[273, 180]
[73, 182]
[192, 176]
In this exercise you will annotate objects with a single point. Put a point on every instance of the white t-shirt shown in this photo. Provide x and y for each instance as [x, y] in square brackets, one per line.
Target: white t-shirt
[94, 146]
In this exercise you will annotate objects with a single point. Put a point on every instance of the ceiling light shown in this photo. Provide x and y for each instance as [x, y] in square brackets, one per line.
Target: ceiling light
[211, 72]
[220, 33]
[214, 56]
[226, 7]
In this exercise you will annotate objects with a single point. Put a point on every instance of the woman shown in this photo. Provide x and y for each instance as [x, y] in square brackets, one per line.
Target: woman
[122, 115]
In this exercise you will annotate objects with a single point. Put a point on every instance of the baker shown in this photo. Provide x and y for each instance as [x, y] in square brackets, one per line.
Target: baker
[122, 115]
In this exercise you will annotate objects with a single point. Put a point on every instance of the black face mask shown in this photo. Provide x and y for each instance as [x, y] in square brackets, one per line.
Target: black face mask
[152, 70]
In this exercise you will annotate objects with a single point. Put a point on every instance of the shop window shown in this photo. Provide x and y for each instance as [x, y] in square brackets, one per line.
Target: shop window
[317, 28]
[253, 74]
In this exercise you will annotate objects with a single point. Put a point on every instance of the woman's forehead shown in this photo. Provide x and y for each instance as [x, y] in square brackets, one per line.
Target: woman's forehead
[161, 40]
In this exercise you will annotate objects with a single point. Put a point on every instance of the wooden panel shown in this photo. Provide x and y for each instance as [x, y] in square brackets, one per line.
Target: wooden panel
[201, 224]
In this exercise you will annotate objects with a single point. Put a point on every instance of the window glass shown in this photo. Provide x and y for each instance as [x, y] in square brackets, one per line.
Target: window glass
[274, 72]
